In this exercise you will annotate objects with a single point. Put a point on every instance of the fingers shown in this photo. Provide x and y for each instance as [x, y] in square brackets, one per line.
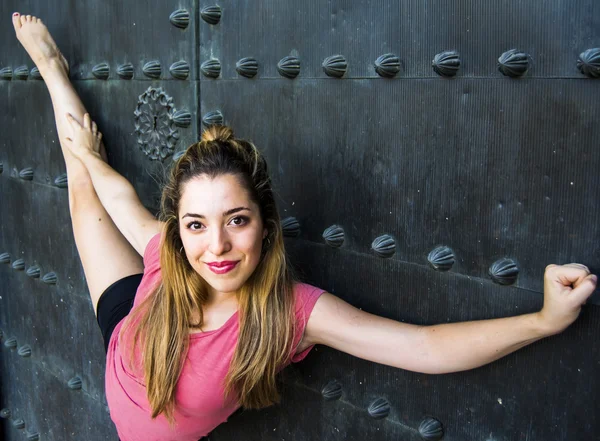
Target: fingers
[584, 289]
[572, 273]
[86, 121]
[72, 121]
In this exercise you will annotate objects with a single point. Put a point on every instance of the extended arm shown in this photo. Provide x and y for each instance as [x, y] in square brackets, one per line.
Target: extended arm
[454, 346]
[117, 195]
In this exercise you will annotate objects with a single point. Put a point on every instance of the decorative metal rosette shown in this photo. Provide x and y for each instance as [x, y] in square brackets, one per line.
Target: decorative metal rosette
[155, 125]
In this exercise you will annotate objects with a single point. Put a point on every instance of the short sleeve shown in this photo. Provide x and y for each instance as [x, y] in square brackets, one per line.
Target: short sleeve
[152, 273]
[305, 298]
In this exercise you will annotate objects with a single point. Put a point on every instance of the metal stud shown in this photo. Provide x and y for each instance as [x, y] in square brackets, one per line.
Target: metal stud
[34, 272]
[11, 343]
[211, 68]
[290, 227]
[18, 424]
[24, 351]
[5, 413]
[61, 181]
[26, 174]
[101, 71]
[211, 14]
[35, 74]
[289, 67]
[4, 258]
[182, 118]
[332, 391]
[446, 63]
[180, 18]
[213, 118]
[18, 265]
[6, 73]
[387, 65]
[1, 167]
[384, 246]
[504, 271]
[513, 63]
[21, 72]
[33, 436]
[50, 278]
[431, 429]
[247, 67]
[180, 70]
[178, 155]
[588, 62]
[441, 258]
[74, 383]
[379, 409]
[335, 66]
[152, 69]
[334, 236]
[125, 71]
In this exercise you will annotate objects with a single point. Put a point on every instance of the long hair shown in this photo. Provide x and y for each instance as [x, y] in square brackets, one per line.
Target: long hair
[265, 302]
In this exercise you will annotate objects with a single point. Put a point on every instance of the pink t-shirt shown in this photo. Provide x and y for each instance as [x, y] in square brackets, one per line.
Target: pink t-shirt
[201, 405]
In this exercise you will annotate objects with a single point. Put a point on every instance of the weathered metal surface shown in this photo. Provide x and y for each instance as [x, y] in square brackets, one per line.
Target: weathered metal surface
[407, 180]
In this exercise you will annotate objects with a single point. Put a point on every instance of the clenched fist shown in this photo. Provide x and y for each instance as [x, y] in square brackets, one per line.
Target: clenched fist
[566, 288]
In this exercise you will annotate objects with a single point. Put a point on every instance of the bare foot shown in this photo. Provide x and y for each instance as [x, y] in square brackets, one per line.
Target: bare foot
[38, 43]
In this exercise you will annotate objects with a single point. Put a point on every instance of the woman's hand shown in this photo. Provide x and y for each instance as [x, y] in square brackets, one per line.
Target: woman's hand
[85, 139]
[566, 288]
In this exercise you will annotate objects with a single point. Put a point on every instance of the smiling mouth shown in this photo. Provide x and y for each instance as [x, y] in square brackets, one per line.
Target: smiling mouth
[222, 267]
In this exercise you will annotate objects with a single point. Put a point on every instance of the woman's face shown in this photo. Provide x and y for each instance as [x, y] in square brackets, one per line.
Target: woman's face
[221, 230]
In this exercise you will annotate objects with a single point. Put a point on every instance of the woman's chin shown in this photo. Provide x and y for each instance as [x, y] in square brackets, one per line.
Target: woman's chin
[224, 286]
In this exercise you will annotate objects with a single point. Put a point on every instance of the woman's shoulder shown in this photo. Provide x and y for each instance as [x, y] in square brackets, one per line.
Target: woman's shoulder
[306, 296]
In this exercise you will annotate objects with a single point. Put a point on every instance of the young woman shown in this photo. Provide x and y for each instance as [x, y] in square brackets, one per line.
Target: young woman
[204, 322]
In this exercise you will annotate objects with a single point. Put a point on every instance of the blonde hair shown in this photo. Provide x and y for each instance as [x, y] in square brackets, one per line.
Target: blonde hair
[265, 302]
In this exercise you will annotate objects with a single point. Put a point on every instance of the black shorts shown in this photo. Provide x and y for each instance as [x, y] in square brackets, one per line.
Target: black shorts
[115, 303]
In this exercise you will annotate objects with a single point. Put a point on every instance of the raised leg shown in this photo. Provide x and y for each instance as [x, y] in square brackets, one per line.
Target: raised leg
[105, 254]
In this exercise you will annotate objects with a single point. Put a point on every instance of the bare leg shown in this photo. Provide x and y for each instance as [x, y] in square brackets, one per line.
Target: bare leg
[105, 254]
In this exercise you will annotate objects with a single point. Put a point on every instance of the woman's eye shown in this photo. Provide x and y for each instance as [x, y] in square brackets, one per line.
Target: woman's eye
[194, 226]
[238, 221]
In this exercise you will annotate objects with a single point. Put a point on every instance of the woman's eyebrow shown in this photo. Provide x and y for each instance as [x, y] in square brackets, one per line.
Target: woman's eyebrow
[226, 213]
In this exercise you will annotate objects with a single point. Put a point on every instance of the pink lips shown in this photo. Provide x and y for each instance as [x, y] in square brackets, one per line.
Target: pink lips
[222, 267]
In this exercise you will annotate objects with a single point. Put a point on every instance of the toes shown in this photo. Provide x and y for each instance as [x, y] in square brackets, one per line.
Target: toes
[23, 20]
[16, 20]
[29, 18]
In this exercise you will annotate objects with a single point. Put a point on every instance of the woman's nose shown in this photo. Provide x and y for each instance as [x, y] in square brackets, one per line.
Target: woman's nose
[219, 242]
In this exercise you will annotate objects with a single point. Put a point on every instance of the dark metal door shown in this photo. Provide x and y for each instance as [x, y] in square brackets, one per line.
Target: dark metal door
[450, 185]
